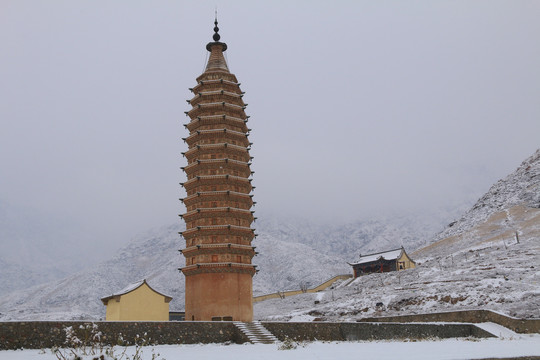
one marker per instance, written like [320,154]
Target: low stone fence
[325,331]
[522,326]
[47,334]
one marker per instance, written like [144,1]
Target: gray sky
[356,106]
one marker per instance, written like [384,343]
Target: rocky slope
[522,187]
[489,259]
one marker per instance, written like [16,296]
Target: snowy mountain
[153,256]
[476,262]
[489,259]
[291,252]
[522,187]
[348,240]
[34,245]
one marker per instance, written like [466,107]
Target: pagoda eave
[243,198]
[202,268]
[230,230]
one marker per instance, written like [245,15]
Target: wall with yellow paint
[321,287]
[140,304]
[406,261]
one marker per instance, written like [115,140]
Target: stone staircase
[256,332]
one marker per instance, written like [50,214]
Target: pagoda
[218,216]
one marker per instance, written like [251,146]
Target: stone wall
[324,331]
[47,334]
[470,316]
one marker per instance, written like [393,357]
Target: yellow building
[137,302]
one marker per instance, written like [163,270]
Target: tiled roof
[130,288]
[386,255]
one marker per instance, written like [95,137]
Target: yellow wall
[408,262]
[321,287]
[138,305]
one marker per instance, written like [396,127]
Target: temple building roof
[385,255]
[130,288]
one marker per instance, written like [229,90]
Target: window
[214,258]
[238,258]
[214,239]
[214,204]
[214,221]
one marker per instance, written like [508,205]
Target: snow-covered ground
[528,345]
[498,274]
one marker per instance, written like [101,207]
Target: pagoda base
[219,296]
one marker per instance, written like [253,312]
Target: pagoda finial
[216,36]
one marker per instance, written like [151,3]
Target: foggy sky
[356,107]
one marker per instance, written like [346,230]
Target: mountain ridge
[309,252]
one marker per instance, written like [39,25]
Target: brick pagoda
[218,218]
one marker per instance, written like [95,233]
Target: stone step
[256,333]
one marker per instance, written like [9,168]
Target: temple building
[137,302]
[393,260]
[218,216]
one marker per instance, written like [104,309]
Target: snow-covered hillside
[291,252]
[152,256]
[500,275]
[38,247]
[522,187]
[477,263]
[489,259]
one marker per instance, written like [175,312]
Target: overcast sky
[356,106]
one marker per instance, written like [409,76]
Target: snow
[430,350]
[388,255]
[499,331]
[522,187]
[498,278]
[480,266]
[129,288]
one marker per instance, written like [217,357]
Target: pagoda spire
[216,60]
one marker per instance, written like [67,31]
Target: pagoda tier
[218,204]
[206,151]
[211,196]
[214,121]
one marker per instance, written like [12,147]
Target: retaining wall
[310,331]
[471,316]
[47,334]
